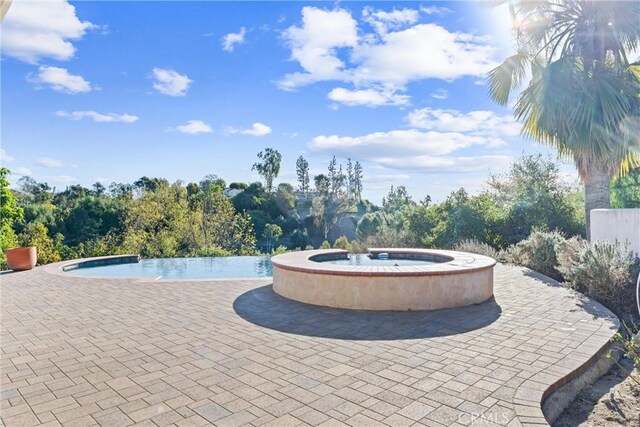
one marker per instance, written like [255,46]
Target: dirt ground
[614,400]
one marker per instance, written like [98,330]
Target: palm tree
[583,93]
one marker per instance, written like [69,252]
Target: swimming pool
[186,268]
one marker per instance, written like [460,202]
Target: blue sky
[112,91]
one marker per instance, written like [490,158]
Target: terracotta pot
[22,258]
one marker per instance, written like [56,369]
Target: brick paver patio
[117,352]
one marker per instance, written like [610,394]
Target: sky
[112,91]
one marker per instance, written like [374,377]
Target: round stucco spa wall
[391,279]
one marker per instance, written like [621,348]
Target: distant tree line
[156,218]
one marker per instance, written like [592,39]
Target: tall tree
[357,181]
[333,200]
[333,175]
[349,176]
[582,92]
[302,170]
[268,167]
[328,207]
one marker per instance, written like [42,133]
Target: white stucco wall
[616,224]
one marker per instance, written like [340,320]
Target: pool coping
[460,263]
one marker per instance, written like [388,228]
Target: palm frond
[507,77]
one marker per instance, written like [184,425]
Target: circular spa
[384,279]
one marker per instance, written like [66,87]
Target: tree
[322,183]
[370,224]
[625,191]
[10,212]
[99,189]
[299,238]
[9,209]
[357,181]
[168,222]
[302,170]
[582,94]
[119,190]
[271,234]
[335,176]
[92,217]
[350,177]
[238,185]
[39,192]
[328,207]
[533,194]
[268,167]
[332,200]
[150,184]
[397,199]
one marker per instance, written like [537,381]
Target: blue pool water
[364,260]
[187,268]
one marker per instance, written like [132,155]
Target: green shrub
[604,271]
[538,252]
[358,247]
[35,234]
[8,240]
[308,248]
[325,245]
[370,224]
[280,250]
[210,251]
[568,252]
[342,243]
[476,247]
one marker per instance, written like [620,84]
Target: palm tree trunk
[596,194]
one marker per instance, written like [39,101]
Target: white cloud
[329,46]
[59,79]
[421,52]
[429,152]
[98,117]
[33,30]
[230,40]
[383,21]
[194,127]
[256,129]
[5,157]
[448,164]
[313,45]
[440,94]
[170,82]
[434,10]
[367,97]
[50,162]
[481,122]
[403,143]
[22,171]
[440,141]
